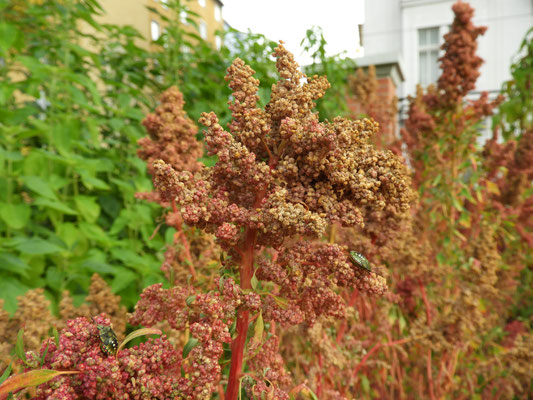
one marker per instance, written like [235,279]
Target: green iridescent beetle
[360,260]
[108,339]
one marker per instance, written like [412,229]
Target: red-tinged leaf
[30,378]
[137,333]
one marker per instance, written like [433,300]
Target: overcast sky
[288,20]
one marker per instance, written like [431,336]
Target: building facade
[412,32]
[137,14]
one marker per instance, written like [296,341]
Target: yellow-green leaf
[258,331]
[493,188]
[137,333]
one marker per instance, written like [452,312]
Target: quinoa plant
[280,179]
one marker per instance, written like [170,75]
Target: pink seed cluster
[207,315]
[308,275]
[148,371]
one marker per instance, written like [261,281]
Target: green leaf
[137,333]
[209,161]
[132,259]
[8,36]
[123,278]
[365,383]
[456,203]
[55,205]
[94,232]
[15,215]
[70,234]
[44,355]
[55,278]
[36,246]
[56,335]
[11,263]
[6,373]
[281,302]
[19,346]
[254,282]
[10,289]
[39,186]
[191,344]
[91,182]
[259,328]
[87,207]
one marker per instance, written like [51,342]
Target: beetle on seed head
[360,260]
[108,338]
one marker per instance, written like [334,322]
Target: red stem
[426,302]
[373,350]
[430,376]
[319,377]
[243,316]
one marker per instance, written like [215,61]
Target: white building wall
[392,25]
[382,28]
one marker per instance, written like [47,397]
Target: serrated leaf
[191,344]
[30,378]
[137,333]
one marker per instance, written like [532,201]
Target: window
[164,3]
[203,29]
[218,42]
[218,12]
[154,30]
[428,54]
[202,3]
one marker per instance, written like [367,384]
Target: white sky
[288,20]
